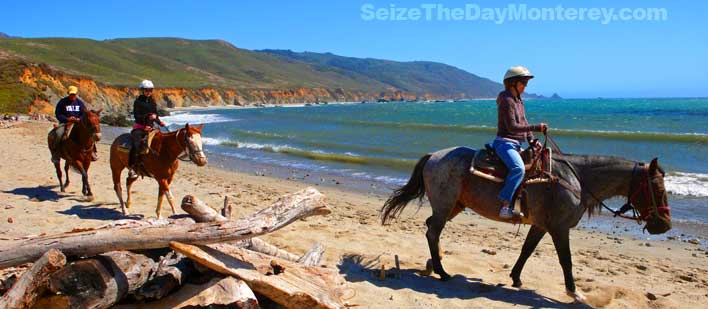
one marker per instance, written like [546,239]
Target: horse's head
[92,122]
[648,195]
[193,143]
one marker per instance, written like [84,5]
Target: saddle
[486,164]
[126,143]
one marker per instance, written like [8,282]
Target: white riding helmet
[146,84]
[518,71]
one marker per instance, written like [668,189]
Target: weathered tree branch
[287,209]
[25,291]
[289,284]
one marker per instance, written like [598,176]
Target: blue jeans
[508,152]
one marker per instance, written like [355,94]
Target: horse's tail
[414,189]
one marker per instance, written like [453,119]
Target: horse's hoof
[428,269]
[89,198]
[444,277]
[578,298]
[517,284]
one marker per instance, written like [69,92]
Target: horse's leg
[163,187]
[436,223]
[84,175]
[57,167]
[129,184]
[116,170]
[170,198]
[85,188]
[532,239]
[562,244]
[66,171]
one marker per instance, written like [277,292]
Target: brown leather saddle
[488,165]
[126,142]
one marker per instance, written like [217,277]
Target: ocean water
[380,142]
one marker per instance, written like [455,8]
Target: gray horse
[583,183]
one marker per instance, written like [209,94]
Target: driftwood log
[289,284]
[201,212]
[312,257]
[219,291]
[171,273]
[24,292]
[99,282]
[287,209]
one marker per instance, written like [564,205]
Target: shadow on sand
[39,193]
[97,212]
[356,268]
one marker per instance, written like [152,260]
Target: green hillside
[174,62]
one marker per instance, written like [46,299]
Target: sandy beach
[612,271]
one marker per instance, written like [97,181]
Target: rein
[644,186]
[92,142]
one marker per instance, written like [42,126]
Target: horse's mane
[592,162]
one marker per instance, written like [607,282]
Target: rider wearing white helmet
[512,130]
[145,114]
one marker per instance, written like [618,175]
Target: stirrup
[506,212]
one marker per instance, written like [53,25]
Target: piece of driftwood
[289,284]
[24,292]
[219,291]
[200,211]
[101,281]
[171,273]
[226,211]
[287,209]
[313,256]
[260,245]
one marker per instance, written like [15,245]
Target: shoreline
[607,267]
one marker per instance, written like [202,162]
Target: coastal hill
[36,72]
[413,77]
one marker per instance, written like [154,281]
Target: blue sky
[574,58]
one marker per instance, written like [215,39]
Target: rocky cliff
[50,85]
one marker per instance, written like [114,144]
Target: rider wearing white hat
[145,114]
[512,130]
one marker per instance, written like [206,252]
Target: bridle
[92,131]
[643,187]
[187,148]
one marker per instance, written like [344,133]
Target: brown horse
[161,163]
[77,150]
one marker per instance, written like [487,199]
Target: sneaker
[506,212]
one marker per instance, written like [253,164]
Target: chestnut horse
[77,150]
[583,182]
[160,164]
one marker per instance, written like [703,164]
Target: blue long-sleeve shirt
[66,108]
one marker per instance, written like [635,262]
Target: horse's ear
[186,126]
[200,127]
[653,165]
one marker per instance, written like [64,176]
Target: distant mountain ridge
[414,76]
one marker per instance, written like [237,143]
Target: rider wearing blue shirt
[69,110]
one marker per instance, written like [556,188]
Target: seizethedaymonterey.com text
[514,12]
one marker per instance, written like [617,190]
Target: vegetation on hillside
[173,62]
